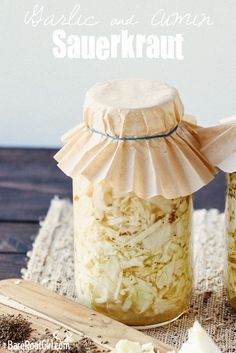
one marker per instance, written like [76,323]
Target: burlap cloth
[51,264]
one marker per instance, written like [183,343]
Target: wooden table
[29,179]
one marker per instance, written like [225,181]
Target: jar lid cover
[132,108]
[219,144]
[135,137]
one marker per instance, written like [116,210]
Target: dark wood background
[29,179]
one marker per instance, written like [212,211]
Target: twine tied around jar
[134,138]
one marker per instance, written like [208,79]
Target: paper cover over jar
[134,137]
[218,144]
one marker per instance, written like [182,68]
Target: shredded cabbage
[132,256]
[231,224]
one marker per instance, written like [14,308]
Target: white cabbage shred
[132,256]
[231,225]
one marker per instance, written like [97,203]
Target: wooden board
[46,309]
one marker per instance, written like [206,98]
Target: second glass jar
[132,257]
[231,239]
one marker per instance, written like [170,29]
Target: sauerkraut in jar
[135,162]
[132,257]
[231,239]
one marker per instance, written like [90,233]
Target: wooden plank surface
[11,264]
[17,237]
[38,302]
[29,179]
[212,195]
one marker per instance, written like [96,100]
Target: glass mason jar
[231,239]
[132,219]
[132,257]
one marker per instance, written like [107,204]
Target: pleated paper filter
[136,138]
[219,144]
